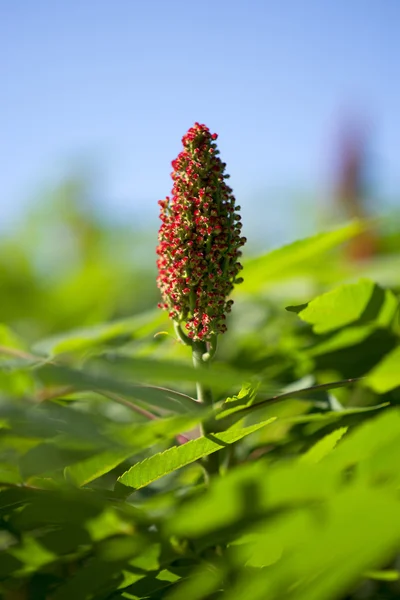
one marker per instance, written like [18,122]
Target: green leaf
[243,399]
[386,375]
[65,539]
[364,302]
[136,439]
[373,446]
[47,458]
[170,460]
[201,583]
[113,333]
[155,585]
[383,575]
[51,419]
[332,554]
[256,488]
[219,376]
[32,553]
[103,379]
[56,508]
[9,473]
[336,415]
[91,578]
[323,447]
[307,393]
[344,338]
[8,564]
[246,492]
[14,497]
[14,380]
[290,259]
[92,468]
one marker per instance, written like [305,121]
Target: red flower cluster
[200,237]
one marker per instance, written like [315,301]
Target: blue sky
[115,85]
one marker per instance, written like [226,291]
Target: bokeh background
[96,95]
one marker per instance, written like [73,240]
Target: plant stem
[204,395]
[182,336]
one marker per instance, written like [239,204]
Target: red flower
[199,238]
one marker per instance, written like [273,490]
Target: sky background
[111,87]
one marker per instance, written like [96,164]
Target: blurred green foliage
[63,266]
[103,492]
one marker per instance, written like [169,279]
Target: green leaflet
[93,577]
[331,554]
[121,374]
[323,447]
[136,439]
[220,377]
[383,575]
[386,375]
[364,302]
[174,458]
[99,380]
[103,334]
[289,260]
[15,379]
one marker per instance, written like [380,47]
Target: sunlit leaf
[176,457]
[291,259]
[135,439]
[323,446]
[364,302]
[386,375]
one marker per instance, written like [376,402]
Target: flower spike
[199,239]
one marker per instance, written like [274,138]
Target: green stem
[204,394]
[212,348]
[181,335]
[201,360]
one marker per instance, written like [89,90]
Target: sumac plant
[139,461]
